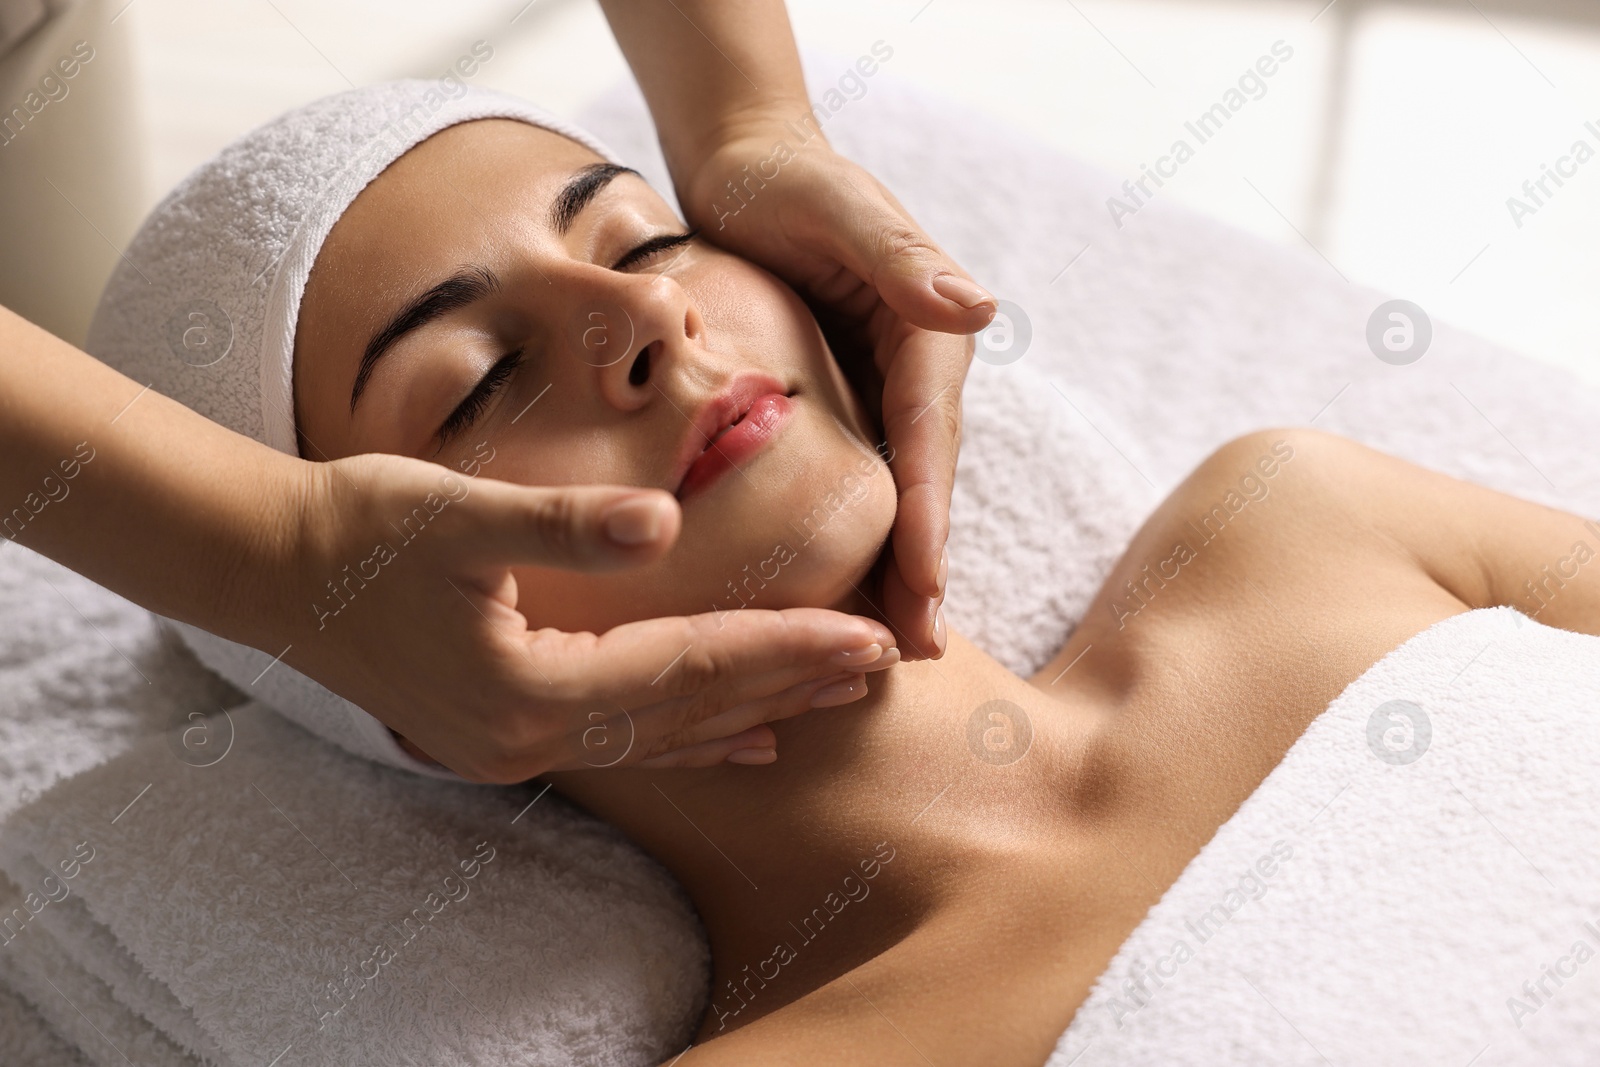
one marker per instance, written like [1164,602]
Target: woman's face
[502,302]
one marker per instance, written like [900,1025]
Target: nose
[635,331]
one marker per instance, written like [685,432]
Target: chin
[813,575]
[824,553]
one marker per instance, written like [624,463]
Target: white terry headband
[204,303]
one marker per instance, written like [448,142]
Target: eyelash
[654,246]
[469,409]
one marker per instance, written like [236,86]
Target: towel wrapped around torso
[1414,883]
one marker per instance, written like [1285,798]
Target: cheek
[557,449]
[575,602]
[838,521]
[800,528]
[750,312]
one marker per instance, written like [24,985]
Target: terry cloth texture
[1163,340]
[1414,883]
[263,895]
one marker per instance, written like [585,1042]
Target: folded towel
[280,894]
[1414,883]
[28,1038]
[1160,342]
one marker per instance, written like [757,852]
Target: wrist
[263,567]
[764,134]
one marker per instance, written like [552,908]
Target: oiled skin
[1009,887]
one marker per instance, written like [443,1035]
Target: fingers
[576,527]
[879,241]
[754,746]
[651,687]
[832,690]
[645,662]
[655,737]
[918,620]
[742,734]
[922,422]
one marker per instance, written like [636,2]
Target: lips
[730,429]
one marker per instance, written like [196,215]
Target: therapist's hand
[433,645]
[204,525]
[831,230]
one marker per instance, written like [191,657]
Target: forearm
[710,69]
[131,488]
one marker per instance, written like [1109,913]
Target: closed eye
[654,247]
[469,409]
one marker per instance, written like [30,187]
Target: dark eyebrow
[471,284]
[583,187]
[465,286]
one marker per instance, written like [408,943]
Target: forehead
[464,185]
[464,195]
[469,194]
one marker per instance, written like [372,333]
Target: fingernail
[836,693]
[753,756]
[890,657]
[944,569]
[939,636]
[635,521]
[960,291]
[852,657]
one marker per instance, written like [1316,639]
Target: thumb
[914,277]
[582,527]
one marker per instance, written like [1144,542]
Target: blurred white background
[1389,144]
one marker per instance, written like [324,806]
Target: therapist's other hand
[830,229]
[433,645]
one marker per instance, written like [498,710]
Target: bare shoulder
[1264,584]
[1278,533]
[1290,560]
[1478,546]
[1316,469]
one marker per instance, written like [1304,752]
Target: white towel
[283,898]
[1414,883]
[1166,338]
[28,1039]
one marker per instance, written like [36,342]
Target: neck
[874,814]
